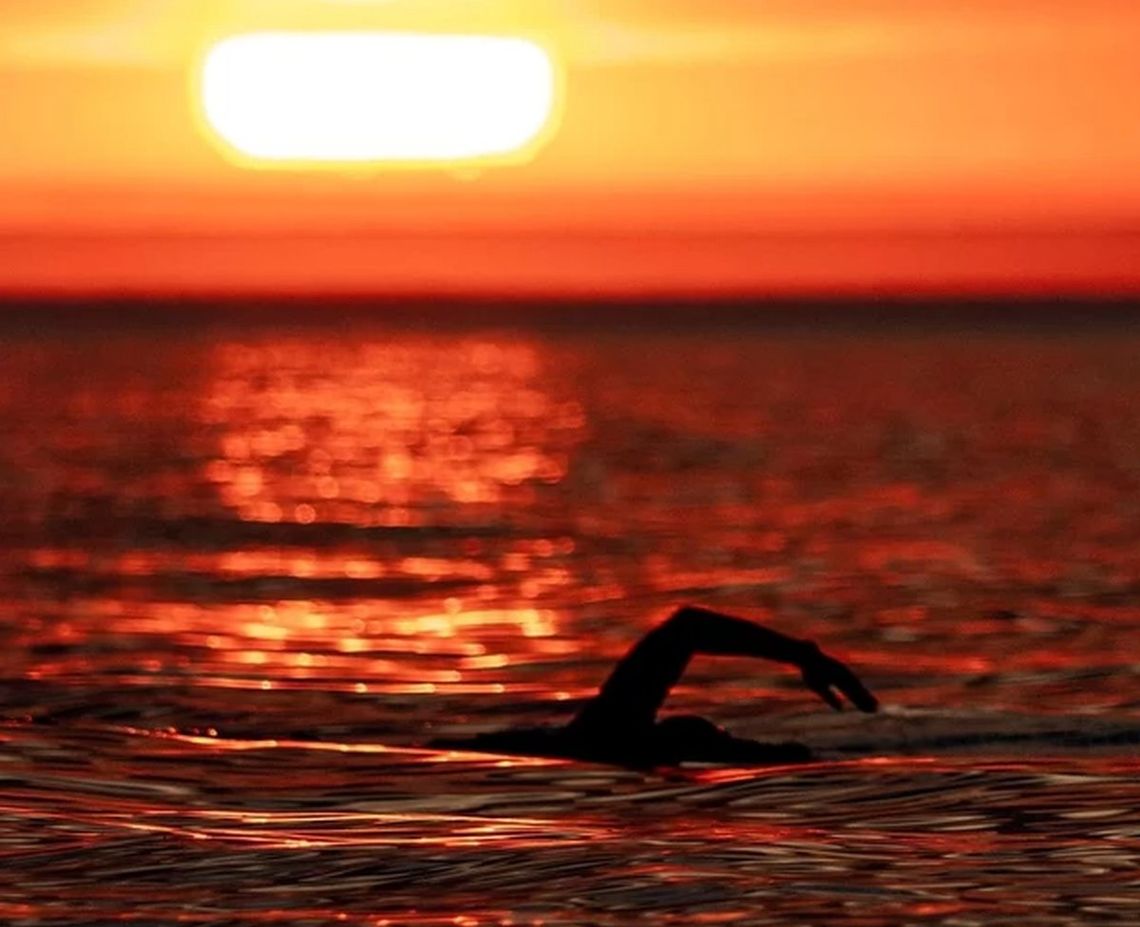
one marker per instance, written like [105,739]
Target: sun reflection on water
[385,436]
[384,489]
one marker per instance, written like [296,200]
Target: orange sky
[721,146]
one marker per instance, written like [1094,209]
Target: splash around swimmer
[619,725]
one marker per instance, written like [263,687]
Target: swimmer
[619,725]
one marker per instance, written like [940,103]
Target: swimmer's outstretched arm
[637,687]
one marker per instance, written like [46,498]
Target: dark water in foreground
[245,573]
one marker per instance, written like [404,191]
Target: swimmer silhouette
[619,725]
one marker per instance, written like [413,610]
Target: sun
[336,98]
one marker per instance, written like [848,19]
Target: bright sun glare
[357,97]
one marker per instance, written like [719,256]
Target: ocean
[250,571]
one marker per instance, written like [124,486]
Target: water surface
[247,572]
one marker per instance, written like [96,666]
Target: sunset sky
[700,146]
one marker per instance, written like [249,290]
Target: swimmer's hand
[828,677]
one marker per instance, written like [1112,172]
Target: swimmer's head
[690,738]
[691,729]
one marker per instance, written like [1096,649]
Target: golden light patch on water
[385,434]
[369,645]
